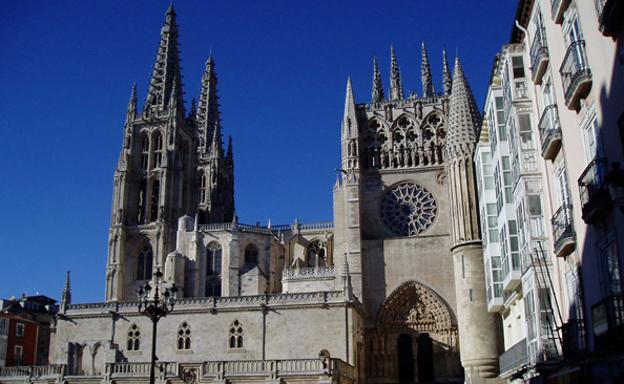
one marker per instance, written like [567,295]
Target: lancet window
[184,336]
[203,187]
[142,202]
[134,338]
[145,153]
[158,149]
[155,197]
[236,335]
[213,269]
[144,262]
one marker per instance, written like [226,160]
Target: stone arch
[415,312]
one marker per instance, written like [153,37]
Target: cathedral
[391,291]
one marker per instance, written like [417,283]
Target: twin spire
[396,87]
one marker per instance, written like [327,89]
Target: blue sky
[65,77]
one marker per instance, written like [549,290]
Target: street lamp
[155,307]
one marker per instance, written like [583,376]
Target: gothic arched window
[184,336]
[142,202]
[203,187]
[158,149]
[251,254]
[236,335]
[134,338]
[213,269]
[145,152]
[155,199]
[145,262]
[316,254]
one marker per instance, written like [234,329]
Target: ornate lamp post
[156,306]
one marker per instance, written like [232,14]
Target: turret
[477,327]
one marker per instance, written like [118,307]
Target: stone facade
[392,291]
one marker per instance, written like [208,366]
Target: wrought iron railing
[608,314]
[515,357]
[573,341]
[562,225]
[539,50]
[549,125]
[574,68]
[593,188]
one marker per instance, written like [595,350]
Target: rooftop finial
[396,89]
[447,80]
[427,82]
[378,92]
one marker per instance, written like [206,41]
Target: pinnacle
[349,110]
[463,111]
[170,10]
[427,82]
[378,92]
[447,81]
[396,89]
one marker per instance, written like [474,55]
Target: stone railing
[278,368]
[308,272]
[215,227]
[33,371]
[141,369]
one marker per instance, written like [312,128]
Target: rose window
[408,209]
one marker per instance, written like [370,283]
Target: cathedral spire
[66,296]
[229,157]
[207,116]
[425,73]
[132,105]
[396,89]
[378,92]
[349,119]
[463,113]
[166,70]
[447,81]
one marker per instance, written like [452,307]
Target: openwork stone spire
[447,81]
[66,296]
[425,73]
[463,114]
[166,68]
[208,109]
[378,92]
[396,89]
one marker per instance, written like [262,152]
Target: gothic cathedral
[391,291]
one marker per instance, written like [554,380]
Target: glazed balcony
[539,56]
[608,323]
[610,15]
[573,342]
[563,231]
[595,197]
[575,74]
[550,132]
[514,358]
[557,8]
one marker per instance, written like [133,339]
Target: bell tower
[154,175]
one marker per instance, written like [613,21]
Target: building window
[154,200]
[213,269]
[251,254]
[236,335]
[590,128]
[145,152]
[145,262]
[488,173]
[158,149]
[316,254]
[518,67]
[492,223]
[3,346]
[184,336]
[203,188]
[142,202]
[526,134]
[507,179]
[19,330]
[18,354]
[134,338]
[3,326]
[611,279]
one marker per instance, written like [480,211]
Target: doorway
[425,358]
[406,358]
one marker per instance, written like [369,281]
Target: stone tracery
[408,209]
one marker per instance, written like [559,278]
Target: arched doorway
[415,339]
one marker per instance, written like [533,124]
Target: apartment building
[552,195]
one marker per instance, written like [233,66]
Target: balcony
[514,358]
[608,323]
[563,231]
[520,90]
[539,56]
[610,15]
[550,132]
[595,197]
[573,343]
[575,74]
